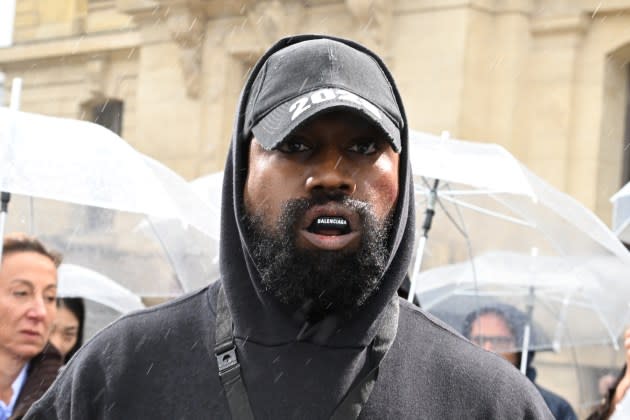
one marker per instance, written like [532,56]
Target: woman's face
[65,331]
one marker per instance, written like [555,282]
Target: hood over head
[296,79]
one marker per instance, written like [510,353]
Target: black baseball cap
[314,76]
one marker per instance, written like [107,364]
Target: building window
[109,115]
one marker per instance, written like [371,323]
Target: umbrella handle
[5,197]
[426,226]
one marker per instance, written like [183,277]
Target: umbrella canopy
[83,190]
[561,291]
[208,188]
[505,234]
[77,281]
[621,213]
[104,299]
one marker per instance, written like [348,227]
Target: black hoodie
[160,363]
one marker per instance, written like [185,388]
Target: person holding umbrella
[499,329]
[67,332]
[28,285]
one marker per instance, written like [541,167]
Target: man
[317,233]
[499,328]
[28,291]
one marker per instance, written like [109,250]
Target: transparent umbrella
[83,190]
[502,235]
[621,213]
[104,299]
[487,203]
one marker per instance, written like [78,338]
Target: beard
[319,282]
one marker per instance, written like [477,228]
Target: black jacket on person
[160,363]
[559,407]
[42,371]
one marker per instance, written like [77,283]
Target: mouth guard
[330,223]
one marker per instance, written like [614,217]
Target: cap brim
[272,129]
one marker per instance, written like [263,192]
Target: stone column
[168,87]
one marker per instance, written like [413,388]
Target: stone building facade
[547,79]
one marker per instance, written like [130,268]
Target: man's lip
[31,333]
[329,242]
[331,209]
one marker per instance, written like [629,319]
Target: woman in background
[619,389]
[67,333]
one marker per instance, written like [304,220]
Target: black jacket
[42,371]
[160,363]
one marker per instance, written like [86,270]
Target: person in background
[618,391]
[499,328]
[67,332]
[28,293]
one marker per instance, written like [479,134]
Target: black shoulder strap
[352,404]
[229,368]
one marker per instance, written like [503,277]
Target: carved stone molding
[187,25]
[374,18]
[274,19]
[186,22]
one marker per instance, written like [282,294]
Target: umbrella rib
[489,212]
[168,255]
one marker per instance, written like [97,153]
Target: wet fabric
[160,363]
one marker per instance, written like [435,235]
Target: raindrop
[192,24]
[150,367]
[278,377]
[275,360]
[596,10]
[131,52]
[75,48]
[338,162]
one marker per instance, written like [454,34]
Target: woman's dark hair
[77,307]
[602,412]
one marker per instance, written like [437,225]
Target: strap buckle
[227,359]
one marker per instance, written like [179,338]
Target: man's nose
[331,172]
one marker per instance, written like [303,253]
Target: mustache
[293,209]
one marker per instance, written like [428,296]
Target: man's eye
[365,147]
[293,146]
